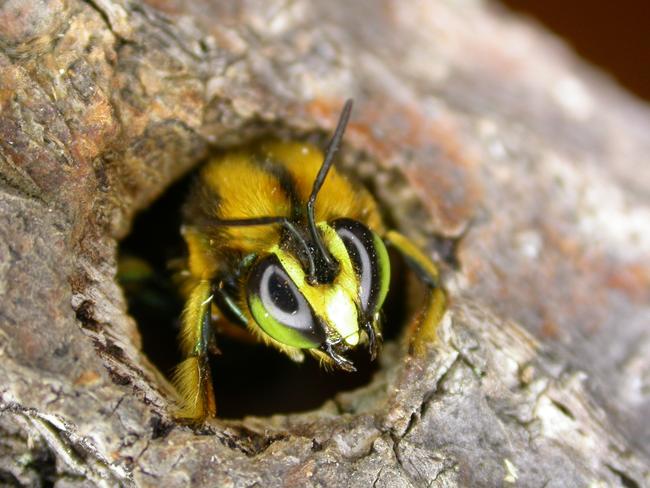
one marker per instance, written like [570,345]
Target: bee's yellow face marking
[342,315]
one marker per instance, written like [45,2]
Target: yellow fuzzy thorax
[240,185]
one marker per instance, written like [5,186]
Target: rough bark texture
[475,128]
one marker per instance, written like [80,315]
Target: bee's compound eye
[370,261]
[279,308]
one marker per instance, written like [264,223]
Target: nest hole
[249,379]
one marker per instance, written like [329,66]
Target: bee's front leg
[224,298]
[422,328]
[192,377]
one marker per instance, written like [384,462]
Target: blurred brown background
[612,35]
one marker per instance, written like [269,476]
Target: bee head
[329,316]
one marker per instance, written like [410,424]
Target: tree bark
[522,170]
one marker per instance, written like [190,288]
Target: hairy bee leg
[192,377]
[423,327]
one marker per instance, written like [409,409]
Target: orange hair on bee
[194,385]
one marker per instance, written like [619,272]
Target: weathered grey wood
[473,126]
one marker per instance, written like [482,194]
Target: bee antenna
[251,222]
[332,147]
[292,228]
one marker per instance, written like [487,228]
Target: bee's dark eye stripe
[285,179]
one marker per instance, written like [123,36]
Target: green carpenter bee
[284,248]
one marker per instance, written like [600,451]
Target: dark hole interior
[248,379]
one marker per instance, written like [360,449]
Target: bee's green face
[306,316]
